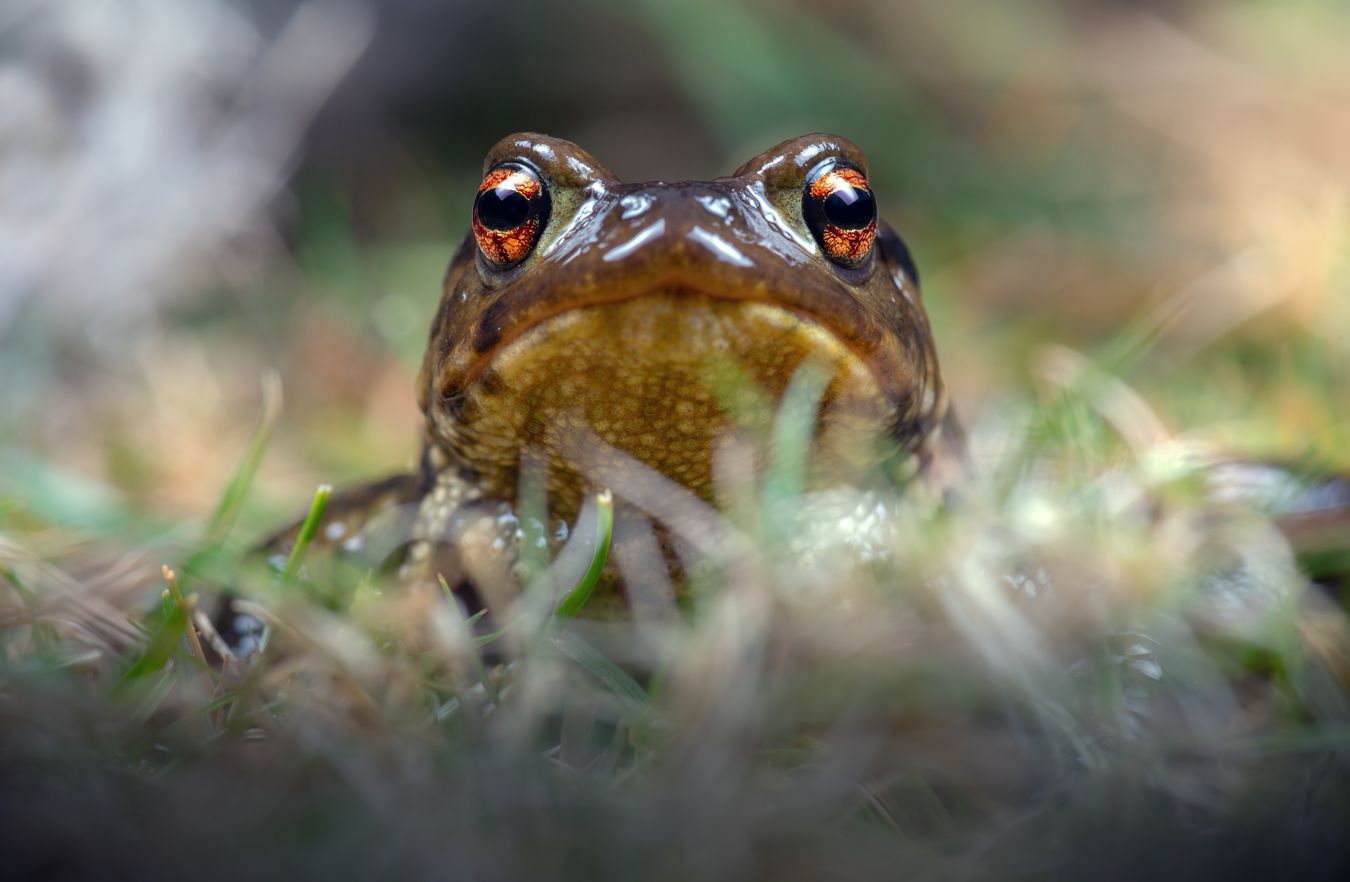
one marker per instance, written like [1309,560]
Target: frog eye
[841,212]
[509,213]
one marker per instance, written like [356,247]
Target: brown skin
[602,358]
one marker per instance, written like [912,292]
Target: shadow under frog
[597,334]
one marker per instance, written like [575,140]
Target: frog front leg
[362,527]
[466,540]
[426,528]
[365,521]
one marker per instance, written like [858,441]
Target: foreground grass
[1091,665]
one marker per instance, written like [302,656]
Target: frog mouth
[519,313]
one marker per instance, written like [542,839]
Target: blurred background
[195,193]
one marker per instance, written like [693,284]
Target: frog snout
[683,223]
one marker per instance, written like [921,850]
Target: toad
[594,334]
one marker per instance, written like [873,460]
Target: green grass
[1079,663]
[573,601]
[1085,667]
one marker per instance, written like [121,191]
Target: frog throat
[661,381]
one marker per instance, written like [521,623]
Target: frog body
[594,334]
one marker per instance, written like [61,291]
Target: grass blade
[474,658]
[629,692]
[161,645]
[794,429]
[604,531]
[236,491]
[308,530]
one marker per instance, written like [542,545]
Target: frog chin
[665,380]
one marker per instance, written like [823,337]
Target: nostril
[635,205]
[719,206]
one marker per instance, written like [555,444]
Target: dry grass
[1132,225]
[1088,660]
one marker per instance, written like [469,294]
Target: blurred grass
[1159,187]
[1060,171]
[1084,653]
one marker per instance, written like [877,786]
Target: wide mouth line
[615,297]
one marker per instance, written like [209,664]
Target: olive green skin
[611,247]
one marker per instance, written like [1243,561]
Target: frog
[583,342]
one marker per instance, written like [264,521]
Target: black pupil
[502,208]
[850,208]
